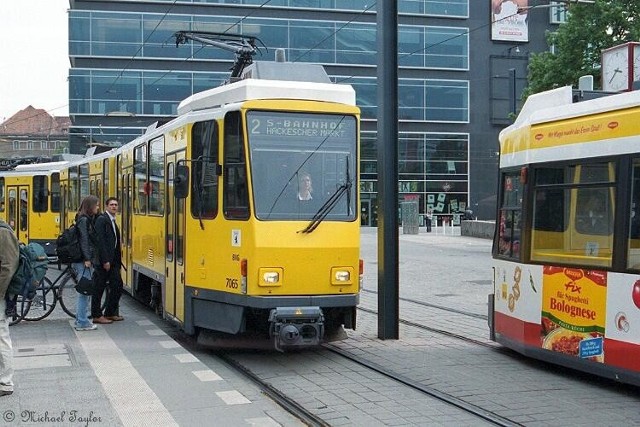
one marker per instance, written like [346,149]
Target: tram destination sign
[296,125]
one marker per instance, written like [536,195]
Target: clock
[615,68]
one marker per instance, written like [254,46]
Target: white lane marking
[186,358]
[262,422]
[130,396]
[144,322]
[169,344]
[232,397]
[207,375]
[156,332]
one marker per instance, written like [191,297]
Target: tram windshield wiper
[324,210]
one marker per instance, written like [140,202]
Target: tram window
[1,194]
[204,182]
[155,185]
[593,215]
[633,260]
[55,192]
[509,224]
[548,210]
[24,210]
[40,193]
[140,188]
[74,190]
[573,214]
[13,208]
[105,179]
[236,198]
[84,182]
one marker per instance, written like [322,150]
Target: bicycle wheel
[43,302]
[67,295]
[16,313]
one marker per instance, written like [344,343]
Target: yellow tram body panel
[305,264]
[30,203]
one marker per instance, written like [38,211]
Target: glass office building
[126,73]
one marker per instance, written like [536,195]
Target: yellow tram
[30,202]
[216,233]
[567,244]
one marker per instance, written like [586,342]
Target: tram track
[449,334]
[436,306]
[286,402]
[470,408]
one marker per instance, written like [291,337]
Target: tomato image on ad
[573,312]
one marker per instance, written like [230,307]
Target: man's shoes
[86,328]
[102,320]
[6,392]
[114,318]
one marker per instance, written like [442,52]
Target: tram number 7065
[232,283]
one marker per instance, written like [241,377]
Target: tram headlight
[341,276]
[270,276]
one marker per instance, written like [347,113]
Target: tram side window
[204,183]
[140,170]
[1,194]
[55,192]
[236,198]
[40,193]
[509,224]
[13,208]
[104,189]
[24,210]
[633,260]
[155,185]
[573,214]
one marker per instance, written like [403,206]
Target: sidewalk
[125,373]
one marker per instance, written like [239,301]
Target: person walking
[108,266]
[87,237]
[9,256]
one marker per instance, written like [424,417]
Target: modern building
[456,90]
[32,135]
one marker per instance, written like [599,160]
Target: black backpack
[68,246]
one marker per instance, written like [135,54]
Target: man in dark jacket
[9,256]
[109,261]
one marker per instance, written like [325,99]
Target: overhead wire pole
[387,143]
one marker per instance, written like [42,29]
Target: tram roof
[251,89]
[48,166]
[558,104]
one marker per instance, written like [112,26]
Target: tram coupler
[296,327]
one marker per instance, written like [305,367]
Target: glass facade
[125,62]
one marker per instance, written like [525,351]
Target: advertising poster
[574,311]
[507,23]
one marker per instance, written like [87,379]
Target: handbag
[85,285]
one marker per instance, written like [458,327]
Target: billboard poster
[574,311]
[506,23]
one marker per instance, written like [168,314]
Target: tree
[579,42]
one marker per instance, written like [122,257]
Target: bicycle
[47,295]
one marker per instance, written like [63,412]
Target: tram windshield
[303,165]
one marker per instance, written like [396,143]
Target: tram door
[174,243]
[18,211]
[125,228]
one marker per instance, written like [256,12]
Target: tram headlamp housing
[341,276]
[270,276]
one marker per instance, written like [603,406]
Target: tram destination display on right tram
[566,249]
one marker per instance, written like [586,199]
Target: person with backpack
[108,266]
[9,257]
[87,237]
